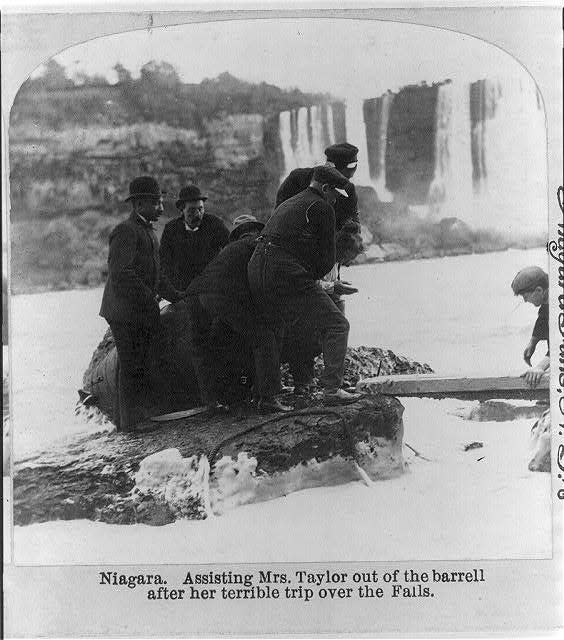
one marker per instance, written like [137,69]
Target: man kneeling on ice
[531,283]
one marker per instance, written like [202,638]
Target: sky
[345,57]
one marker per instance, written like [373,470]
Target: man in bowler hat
[296,249]
[192,240]
[343,157]
[130,300]
[221,293]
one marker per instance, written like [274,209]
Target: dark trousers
[135,343]
[300,348]
[282,289]
[243,319]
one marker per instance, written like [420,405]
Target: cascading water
[450,192]
[509,151]
[285,131]
[357,135]
[488,159]
[380,179]
[305,133]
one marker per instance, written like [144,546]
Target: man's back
[304,225]
[299,179]
[226,274]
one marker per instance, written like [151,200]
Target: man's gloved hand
[342,288]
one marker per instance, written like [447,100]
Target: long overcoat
[134,279]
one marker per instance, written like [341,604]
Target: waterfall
[380,179]
[356,134]
[317,138]
[490,156]
[509,154]
[305,133]
[285,132]
[376,113]
[330,126]
[450,191]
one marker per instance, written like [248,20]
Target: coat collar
[141,221]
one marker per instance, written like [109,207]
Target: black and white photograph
[276,293]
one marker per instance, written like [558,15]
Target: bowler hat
[342,154]
[144,187]
[332,177]
[189,194]
[244,224]
[528,279]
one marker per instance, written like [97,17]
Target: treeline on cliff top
[157,95]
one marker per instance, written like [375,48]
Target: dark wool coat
[134,275]
[304,226]
[184,254]
[226,274]
[299,179]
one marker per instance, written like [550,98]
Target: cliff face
[74,150]
[68,186]
[76,169]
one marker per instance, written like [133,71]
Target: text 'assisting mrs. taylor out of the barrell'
[298,585]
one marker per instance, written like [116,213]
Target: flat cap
[342,154]
[329,175]
[245,223]
[529,278]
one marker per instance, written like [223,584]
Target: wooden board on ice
[436,386]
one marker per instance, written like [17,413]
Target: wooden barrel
[172,373]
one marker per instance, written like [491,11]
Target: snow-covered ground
[482,503]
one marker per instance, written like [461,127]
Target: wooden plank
[435,386]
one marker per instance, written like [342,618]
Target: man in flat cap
[130,303]
[531,283]
[296,249]
[192,240]
[343,157]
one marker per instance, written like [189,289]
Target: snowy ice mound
[180,483]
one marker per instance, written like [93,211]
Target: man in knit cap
[343,157]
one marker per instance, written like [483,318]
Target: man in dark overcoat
[343,157]
[192,240]
[130,300]
[221,293]
[296,249]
